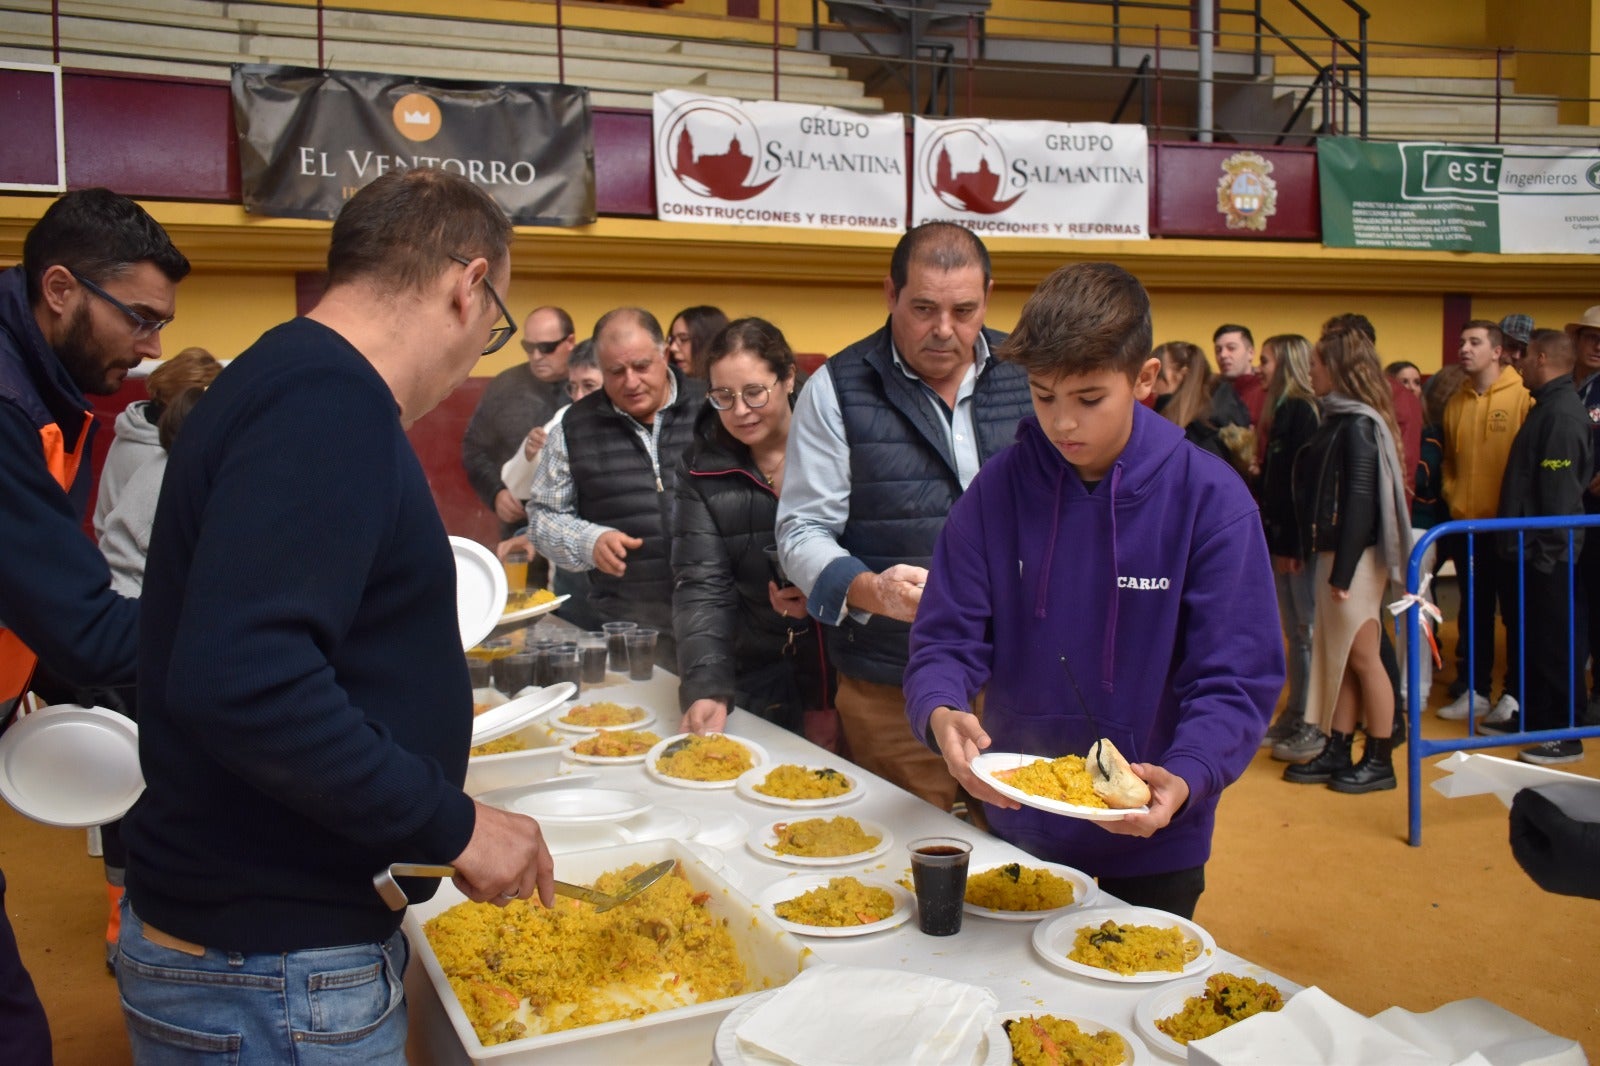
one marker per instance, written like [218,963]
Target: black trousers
[1176,892]
[24,1030]
[1555,689]
[1589,603]
[1494,588]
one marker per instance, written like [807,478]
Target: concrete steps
[1450,109]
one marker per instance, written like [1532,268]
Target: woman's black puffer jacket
[1294,423]
[1336,492]
[732,645]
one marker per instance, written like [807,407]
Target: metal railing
[1097,57]
[1416,701]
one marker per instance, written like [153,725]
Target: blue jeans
[337,1005]
[1297,599]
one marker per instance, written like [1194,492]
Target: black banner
[309,139]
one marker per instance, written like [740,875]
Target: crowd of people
[946,540]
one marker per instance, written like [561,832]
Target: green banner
[1510,198]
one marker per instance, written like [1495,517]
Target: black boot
[1335,757]
[1374,773]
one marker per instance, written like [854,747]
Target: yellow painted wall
[1557,26]
[225,311]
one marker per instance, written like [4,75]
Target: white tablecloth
[995,954]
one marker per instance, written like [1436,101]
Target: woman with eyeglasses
[743,633]
[690,337]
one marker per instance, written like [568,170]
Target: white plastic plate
[648,720]
[570,751]
[1084,891]
[480,590]
[993,1050]
[747,782]
[986,765]
[1167,1000]
[790,887]
[579,805]
[71,766]
[538,610]
[1053,940]
[513,715]
[765,838]
[758,755]
[1136,1053]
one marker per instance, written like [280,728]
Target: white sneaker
[1456,710]
[1504,710]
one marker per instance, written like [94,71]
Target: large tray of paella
[521,984]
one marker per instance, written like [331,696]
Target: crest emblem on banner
[714,150]
[966,166]
[1246,193]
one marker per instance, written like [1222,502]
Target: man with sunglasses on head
[97,283]
[304,706]
[516,401]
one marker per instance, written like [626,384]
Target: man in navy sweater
[305,711]
[97,283]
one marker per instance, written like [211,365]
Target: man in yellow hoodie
[1480,422]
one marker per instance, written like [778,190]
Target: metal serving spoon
[1096,747]
[395,896]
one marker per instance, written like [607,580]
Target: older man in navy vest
[886,436]
[602,492]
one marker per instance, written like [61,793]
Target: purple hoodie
[1156,587]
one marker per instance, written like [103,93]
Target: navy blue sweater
[304,705]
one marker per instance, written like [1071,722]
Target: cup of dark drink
[939,872]
[515,672]
[592,654]
[617,644]
[641,653]
[540,650]
[564,665]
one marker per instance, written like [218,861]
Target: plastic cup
[515,672]
[592,654]
[617,644]
[641,653]
[479,673]
[939,871]
[563,659]
[541,661]
[516,566]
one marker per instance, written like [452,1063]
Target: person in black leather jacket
[743,633]
[1350,502]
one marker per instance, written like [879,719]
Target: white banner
[1067,180]
[1549,200]
[761,163]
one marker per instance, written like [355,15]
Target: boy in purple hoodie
[1104,538]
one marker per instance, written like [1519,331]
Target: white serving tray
[771,956]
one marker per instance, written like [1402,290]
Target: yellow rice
[523,970]
[843,901]
[604,714]
[793,782]
[1228,998]
[821,838]
[1014,887]
[1065,779]
[617,743]
[501,746]
[1131,949]
[1045,1040]
[713,757]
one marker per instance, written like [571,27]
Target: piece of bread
[1122,788]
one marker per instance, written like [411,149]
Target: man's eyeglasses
[578,390]
[500,334]
[543,347]
[755,397]
[142,327]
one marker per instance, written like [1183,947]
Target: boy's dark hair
[97,234]
[1496,338]
[1352,320]
[1082,318]
[583,355]
[1233,327]
[942,245]
[758,337]
[400,231]
[1400,364]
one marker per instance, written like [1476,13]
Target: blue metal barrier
[1416,701]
